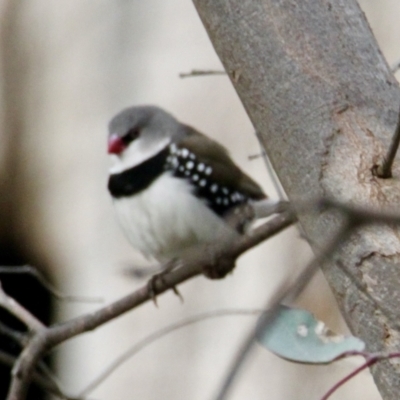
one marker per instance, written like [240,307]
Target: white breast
[166,218]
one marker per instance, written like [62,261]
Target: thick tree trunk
[315,85]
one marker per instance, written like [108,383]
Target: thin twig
[192,266]
[24,367]
[200,72]
[356,217]
[370,360]
[38,379]
[158,335]
[16,336]
[22,339]
[14,308]
[384,170]
[283,296]
[252,157]
[30,270]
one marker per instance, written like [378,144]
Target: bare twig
[371,359]
[252,157]
[200,72]
[384,170]
[45,374]
[24,367]
[190,268]
[355,217]
[286,295]
[199,260]
[43,381]
[16,336]
[14,308]
[30,270]
[158,335]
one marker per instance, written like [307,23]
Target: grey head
[147,123]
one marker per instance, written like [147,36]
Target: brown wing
[224,171]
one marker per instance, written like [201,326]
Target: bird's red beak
[115,144]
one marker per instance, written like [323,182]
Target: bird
[172,187]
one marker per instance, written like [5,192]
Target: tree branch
[200,258]
[14,308]
[324,103]
[285,295]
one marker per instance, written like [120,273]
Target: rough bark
[316,86]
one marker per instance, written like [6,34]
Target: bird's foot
[160,279]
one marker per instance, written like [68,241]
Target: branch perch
[200,258]
[324,102]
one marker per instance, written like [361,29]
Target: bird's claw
[152,283]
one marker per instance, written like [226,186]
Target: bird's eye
[131,135]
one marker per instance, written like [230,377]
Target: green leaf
[296,335]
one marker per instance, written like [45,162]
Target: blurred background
[67,67]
